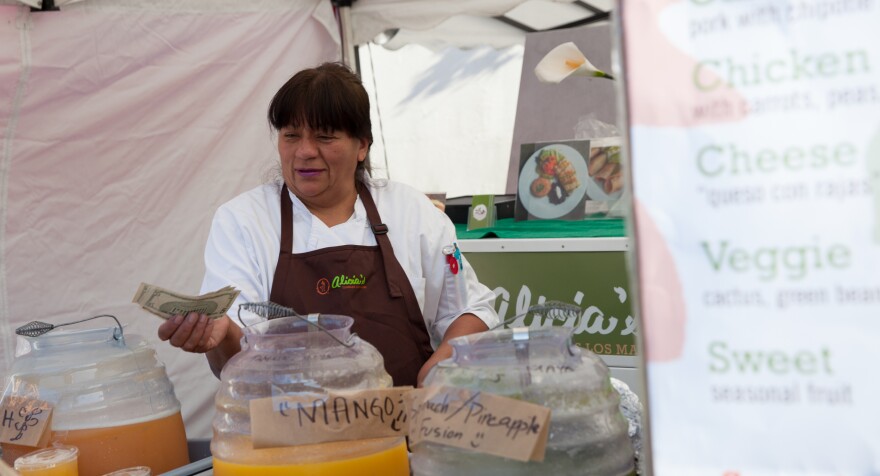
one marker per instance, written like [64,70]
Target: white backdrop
[447,116]
[756,217]
[123,128]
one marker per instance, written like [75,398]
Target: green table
[508,228]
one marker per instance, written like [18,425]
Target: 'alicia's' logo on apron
[323,286]
[341,281]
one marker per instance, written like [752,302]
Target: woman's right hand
[195,332]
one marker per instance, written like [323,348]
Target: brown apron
[364,282]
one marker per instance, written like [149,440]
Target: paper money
[166,304]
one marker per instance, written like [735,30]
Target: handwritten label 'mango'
[336,416]
[480,422]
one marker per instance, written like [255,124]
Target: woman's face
[319,166]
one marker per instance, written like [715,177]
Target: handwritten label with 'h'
[479,422]
[24,421]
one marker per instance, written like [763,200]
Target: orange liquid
[159,444]
[56,461]
[68,468]
[390,462]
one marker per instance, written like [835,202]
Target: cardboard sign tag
[479,422]
[293,420]
[24,421]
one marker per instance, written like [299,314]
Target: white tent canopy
[464,22]
[444,23]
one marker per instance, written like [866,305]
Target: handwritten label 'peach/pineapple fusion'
[479,422]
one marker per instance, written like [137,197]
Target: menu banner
[754,132]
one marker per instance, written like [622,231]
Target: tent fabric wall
[123,128]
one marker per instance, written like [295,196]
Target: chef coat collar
[359,215]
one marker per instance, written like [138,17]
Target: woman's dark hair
[327,98]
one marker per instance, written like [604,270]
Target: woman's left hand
[442,353]
[465,324]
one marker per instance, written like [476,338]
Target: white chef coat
[244,243]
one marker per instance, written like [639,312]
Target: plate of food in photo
[552,181]
[605,182]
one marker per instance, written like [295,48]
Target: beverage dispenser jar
[296,356]
[587,434]
[111,397]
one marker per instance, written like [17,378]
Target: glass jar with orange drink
[293,356]
[111,398]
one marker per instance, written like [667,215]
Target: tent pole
[348,53]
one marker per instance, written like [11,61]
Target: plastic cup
[133,471]
[55,461]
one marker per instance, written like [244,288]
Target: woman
[329,239]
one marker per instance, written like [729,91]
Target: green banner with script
[595,281]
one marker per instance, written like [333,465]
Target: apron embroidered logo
[323,286]
[343,281]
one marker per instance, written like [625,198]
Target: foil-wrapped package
[631,408]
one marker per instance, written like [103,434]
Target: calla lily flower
[566,60]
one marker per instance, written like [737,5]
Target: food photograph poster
[754,133]
[569,180]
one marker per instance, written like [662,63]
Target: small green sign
[481,214]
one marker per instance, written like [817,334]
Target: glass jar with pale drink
[587,434]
